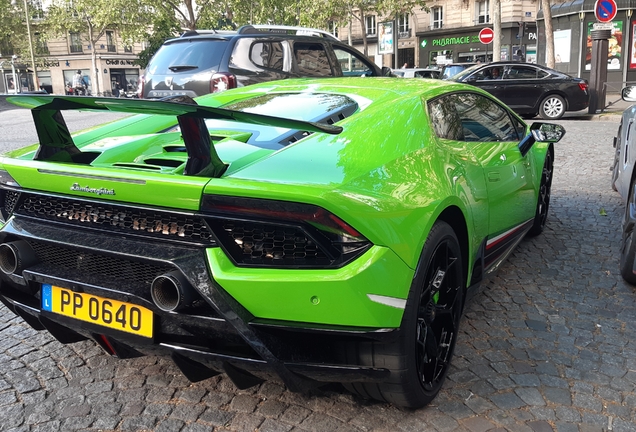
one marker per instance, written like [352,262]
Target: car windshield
[464,73]
[187,55]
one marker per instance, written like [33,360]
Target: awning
[575,6]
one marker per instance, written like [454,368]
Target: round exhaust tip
[16,256]
[8,258]
[171,292]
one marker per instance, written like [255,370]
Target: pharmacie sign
[460,40]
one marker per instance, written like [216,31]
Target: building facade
[59,59]
[572,24]
[449,33]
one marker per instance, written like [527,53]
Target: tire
[419,359]
[628,242]
[552,107]
[617,157]
[543,200]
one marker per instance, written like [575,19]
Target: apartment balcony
[111,48]
[76,49]
[405,34]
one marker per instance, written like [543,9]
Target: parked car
[624,181]
[208,61]
[449,70]
[529,89]
[295,228]
[417,73]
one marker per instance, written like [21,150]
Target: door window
[312,60]
[471,117]
[352,64]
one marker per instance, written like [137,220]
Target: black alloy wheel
[419,359]
[543,200]
[628,245]
[438,315]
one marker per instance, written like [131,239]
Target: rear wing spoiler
[56,142]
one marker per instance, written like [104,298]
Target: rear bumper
[218,335]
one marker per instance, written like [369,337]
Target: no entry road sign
[486,35]
[605,10]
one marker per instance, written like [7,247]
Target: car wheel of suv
[543,201]
[420,358]
[617,156]
[628,243]
[552,107]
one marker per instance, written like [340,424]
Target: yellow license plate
[105,312]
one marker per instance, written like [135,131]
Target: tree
[91,19]
[496,21]
[164,26]
[549,33]
[13,37]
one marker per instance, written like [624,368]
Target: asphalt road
[550,344]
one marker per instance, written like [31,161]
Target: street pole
[36,82]
[15,80]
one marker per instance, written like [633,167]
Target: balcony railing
[111,48]
[404,34]
[76,49]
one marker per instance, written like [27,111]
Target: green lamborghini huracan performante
[311,231]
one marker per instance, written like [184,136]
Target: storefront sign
[461,40]
[120,62]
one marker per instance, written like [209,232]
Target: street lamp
[36,82]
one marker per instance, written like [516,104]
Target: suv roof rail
[283,29]
[204,32]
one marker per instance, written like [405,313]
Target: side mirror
[541,132]
[629,94]
[547,132]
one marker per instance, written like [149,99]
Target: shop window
[369,23]
[437,17]
[483,11]
[440,58]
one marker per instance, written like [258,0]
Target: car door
[490,79]
[485,136]
[495,135]
[524,86]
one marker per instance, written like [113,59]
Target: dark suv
[201,62]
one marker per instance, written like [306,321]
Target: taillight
[267,233]
[221,82]
[583,86]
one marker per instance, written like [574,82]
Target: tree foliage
[13,37]
[91,19]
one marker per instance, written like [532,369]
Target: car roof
[260,30]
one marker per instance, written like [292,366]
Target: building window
[40,44]
[404,30]
[76,43]
[437,17]
[369,23]
[483,11]
[36,9]
[110,41]
[128,49]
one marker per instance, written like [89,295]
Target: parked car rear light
[221,82]
[268,233]
[583,86]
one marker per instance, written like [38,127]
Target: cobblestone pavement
[550,345]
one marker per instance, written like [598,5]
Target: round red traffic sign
[605,10]
[486,35]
